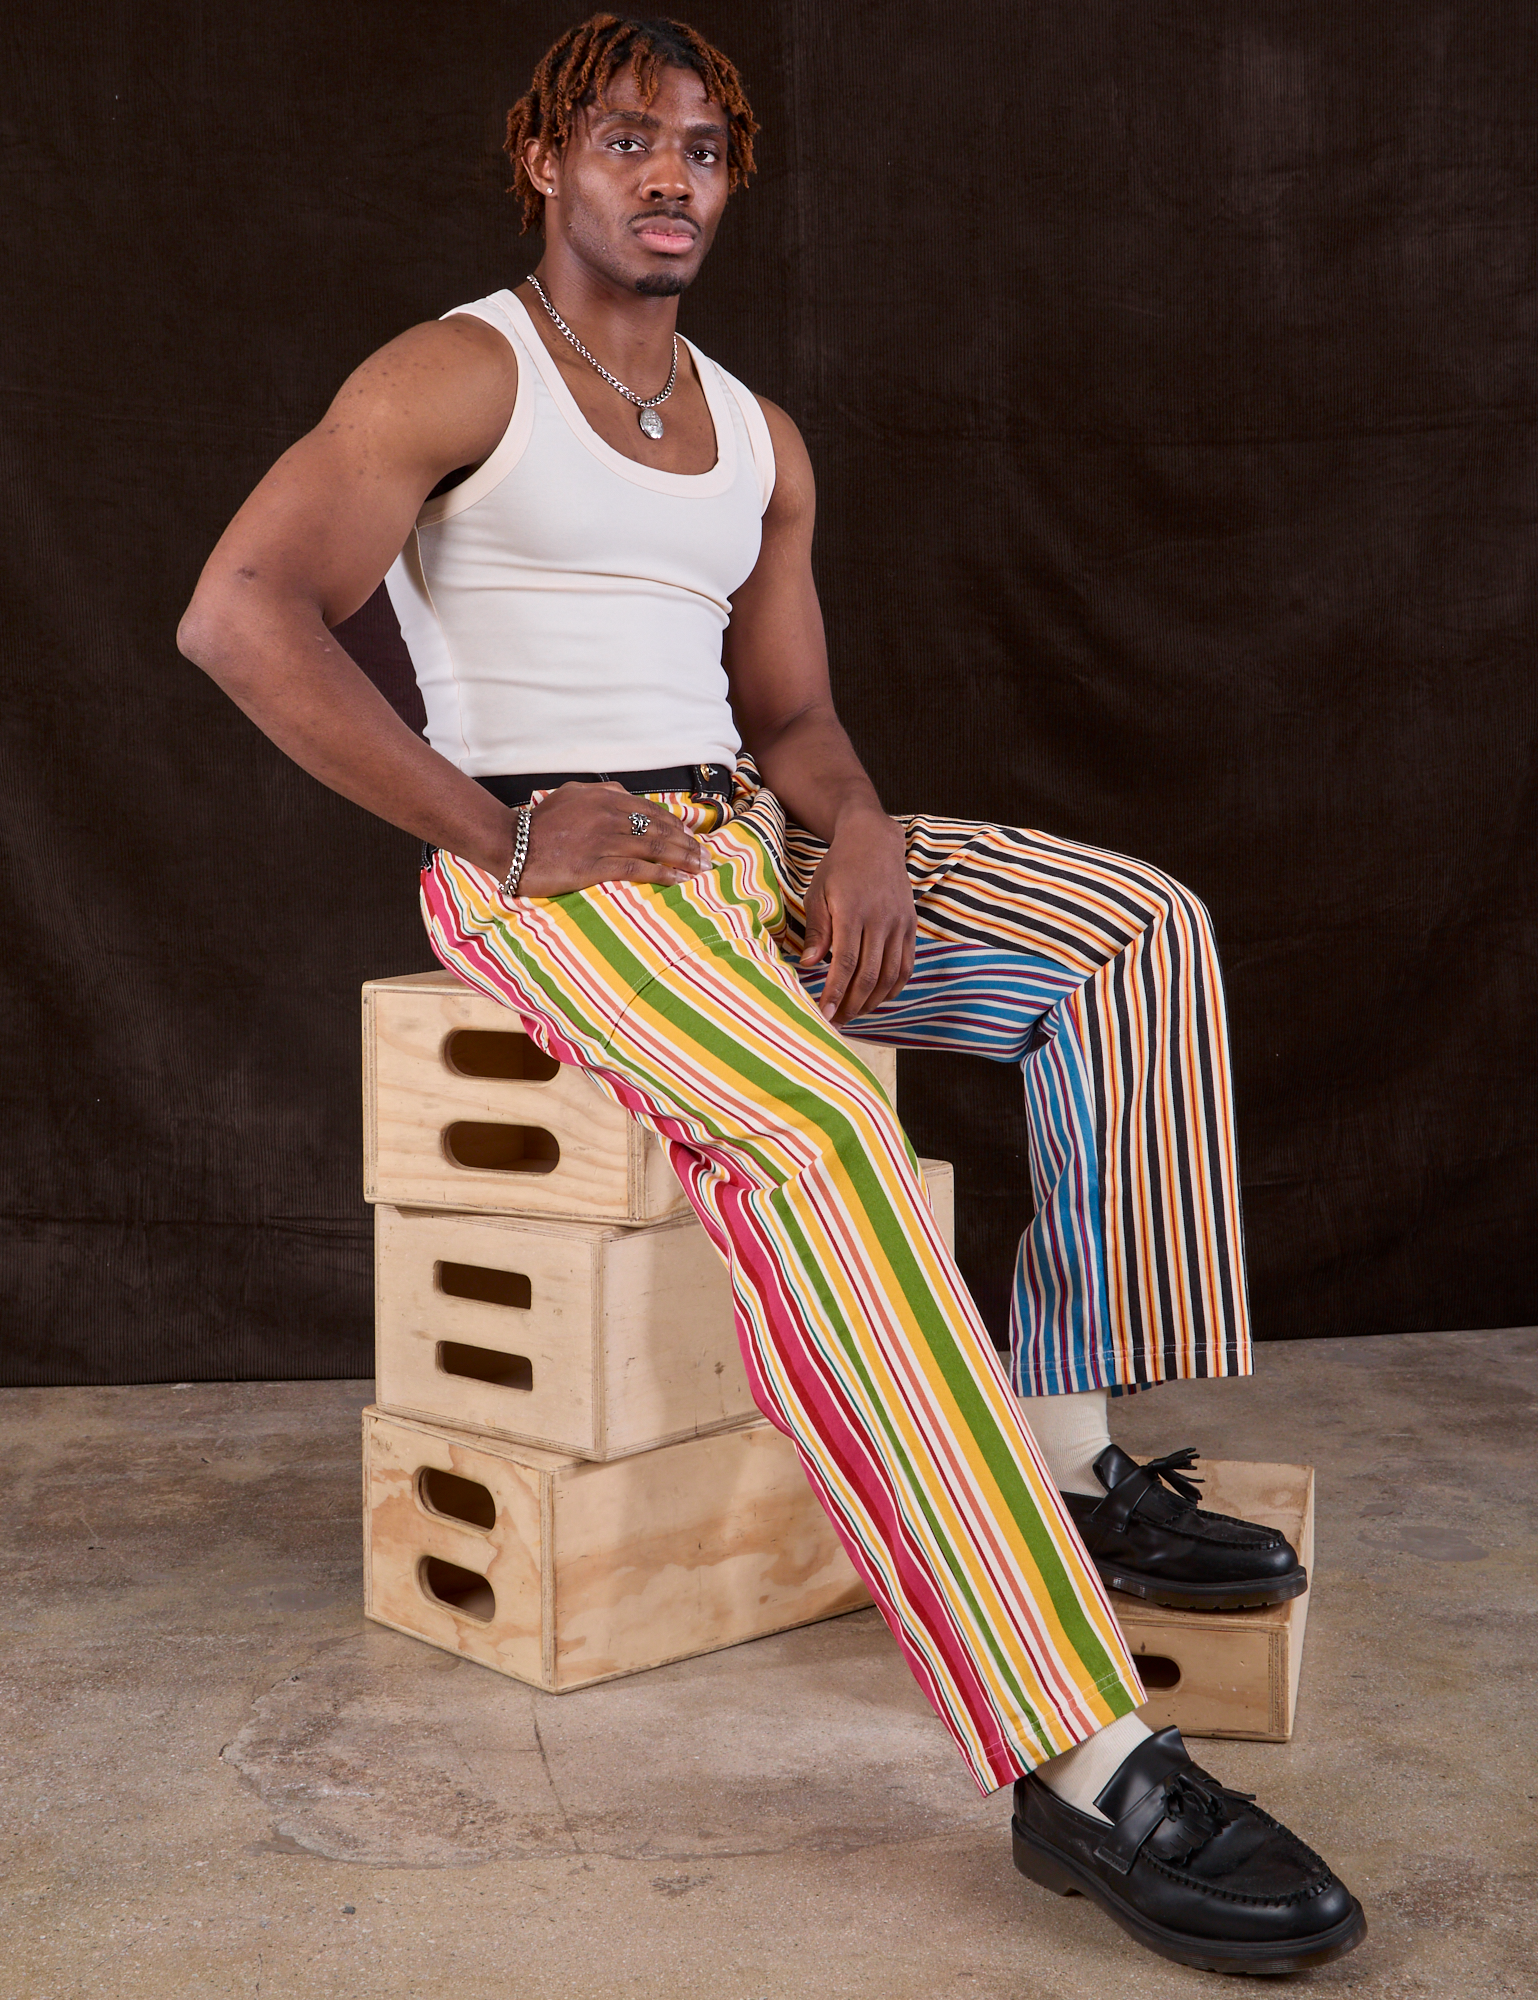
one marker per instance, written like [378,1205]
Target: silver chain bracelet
[509,883]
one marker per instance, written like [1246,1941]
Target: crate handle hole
[461,1590]
[480,1281]
[493,1052]
[1156,1671]
[486,1364]
[502,1149]
[461,1499]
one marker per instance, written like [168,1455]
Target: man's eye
[706,155]
[617,143]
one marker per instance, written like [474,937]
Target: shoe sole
[1203,1596]
[1064,1877]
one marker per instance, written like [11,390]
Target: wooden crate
[561,1572]
[609,1341]
[1230,1673]
[579,1337]
[940,1187]
[461,1111]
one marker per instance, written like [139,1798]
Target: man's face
[642,186]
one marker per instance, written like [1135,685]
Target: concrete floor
[220,1781]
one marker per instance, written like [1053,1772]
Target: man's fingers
[876,973]
[866,978]
[665,836]
[843,967]
[905,948]
[819,929]
[641,868]
[843,955]
[665,845]
[895,965]
[629,802]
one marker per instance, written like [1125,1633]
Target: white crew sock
[1081,1774]
[1071,1431]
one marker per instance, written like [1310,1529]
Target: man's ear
[543,165]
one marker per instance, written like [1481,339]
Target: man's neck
[629,331]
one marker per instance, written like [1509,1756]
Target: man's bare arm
[860,909]
[777,658]
[312,544]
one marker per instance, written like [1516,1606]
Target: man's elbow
[193,637]
[210,635]
[199,632]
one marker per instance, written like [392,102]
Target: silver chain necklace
[646,406]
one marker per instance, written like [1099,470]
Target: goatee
[662,284]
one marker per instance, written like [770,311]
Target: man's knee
[1173,906]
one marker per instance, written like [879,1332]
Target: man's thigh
[677,1001]
[982,1000]
[1009,921]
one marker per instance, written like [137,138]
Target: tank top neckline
[701,485]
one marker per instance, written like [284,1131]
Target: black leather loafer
[1161,1545]
[1197,1873]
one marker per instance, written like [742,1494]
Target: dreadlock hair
[578,69]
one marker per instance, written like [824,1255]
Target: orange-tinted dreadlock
[582,64]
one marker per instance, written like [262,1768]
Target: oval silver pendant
[651,423]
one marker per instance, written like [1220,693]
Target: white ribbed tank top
[563,606]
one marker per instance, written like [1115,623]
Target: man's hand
[581,835]
[859,916]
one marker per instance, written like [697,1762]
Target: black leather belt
[711,781]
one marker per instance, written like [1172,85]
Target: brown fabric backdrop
[1170,372]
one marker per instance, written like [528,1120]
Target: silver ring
[639,822]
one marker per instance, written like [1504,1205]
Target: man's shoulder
[790,453]
[780,422]
[438,395]
[455,358]
[466,338]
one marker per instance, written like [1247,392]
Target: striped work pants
[1097,976]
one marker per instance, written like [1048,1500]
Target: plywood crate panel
[1230,1673]
[939,1178]
[562,1572]
[576,1336]
[462,1111]
[617,1340]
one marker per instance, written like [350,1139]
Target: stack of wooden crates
[565,1477]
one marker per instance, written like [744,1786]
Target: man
[598,545]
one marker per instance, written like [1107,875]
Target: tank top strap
[494,313]
[760,444]
[514,441]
